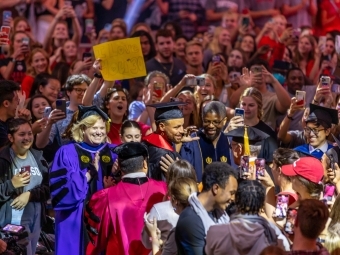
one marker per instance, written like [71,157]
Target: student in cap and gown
[319,121]
[252,142]
[74,177]
[115,215]
[168,138]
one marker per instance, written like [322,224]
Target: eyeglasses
[215,123]
[79,91]
[315,131]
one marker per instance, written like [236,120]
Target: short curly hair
[75,80]
[250,197]
[217,173]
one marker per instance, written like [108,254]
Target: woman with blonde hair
[251,103]
[79,169]
[221,43]
[37,62]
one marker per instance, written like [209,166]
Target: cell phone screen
[244,165]
[239,112]
[13,228]
[25,169]
[290,222]
[281,206]
[260,164]
[87,56]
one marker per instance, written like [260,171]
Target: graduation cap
[248,136]
[131,150]
[168,111]
[86,111]
[325,116]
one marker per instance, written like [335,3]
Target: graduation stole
[210,153]
[158,141]
[85,158]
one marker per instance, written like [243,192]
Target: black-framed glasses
[314,130]
[214,122]
[79,91]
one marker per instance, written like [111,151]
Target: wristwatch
[98,75]
[288,117]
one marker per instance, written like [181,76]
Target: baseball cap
[308,167]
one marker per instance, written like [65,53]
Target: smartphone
[14,229]
[158,88]
[61,105]
[200,81]
[239,112]
[337,44]
[6,29]
[290,221]
[108,27]
[6,15]
[211,30]
[25,169]
[244,166]
[257,69]
[216,59]
[245,21]
[328,192]
[300,98]
[26,41]
[260,166]
[88,26]
[87,56]
[325,80]
[47,112]
[281,206]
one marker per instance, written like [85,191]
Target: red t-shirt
[332,8]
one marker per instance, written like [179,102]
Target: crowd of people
[229,144]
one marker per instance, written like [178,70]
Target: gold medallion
[85,159]
[208,160]
[106,159]
[223,159]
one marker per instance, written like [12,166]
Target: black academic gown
[157,148]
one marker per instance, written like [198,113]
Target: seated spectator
[164,62]
[311,219]
[273,103]
[246,224]
[37,62]
[14,67]
[221,43]
[206,208]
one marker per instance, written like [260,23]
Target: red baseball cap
[308,167]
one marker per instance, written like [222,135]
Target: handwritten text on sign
[121,59]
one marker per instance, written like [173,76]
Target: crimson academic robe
[119,211]
[70,190]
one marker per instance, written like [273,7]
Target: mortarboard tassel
[246,142]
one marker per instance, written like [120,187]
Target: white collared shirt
[134,175]
[322,148]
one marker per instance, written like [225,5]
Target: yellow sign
[106,159]
[85,159]
[121,59]
[208,160]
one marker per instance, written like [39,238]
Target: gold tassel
[246,142]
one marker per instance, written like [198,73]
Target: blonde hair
[214,46]
[213,80]
[30,69]
[181,189]
[90,121]
[194,119]
[257,96]
[332,242]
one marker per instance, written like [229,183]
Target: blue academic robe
[304,150]
[70,190]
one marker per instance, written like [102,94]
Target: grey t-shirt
[223,6]
[298,139]
[261,5]
[302,17]
[36,180]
